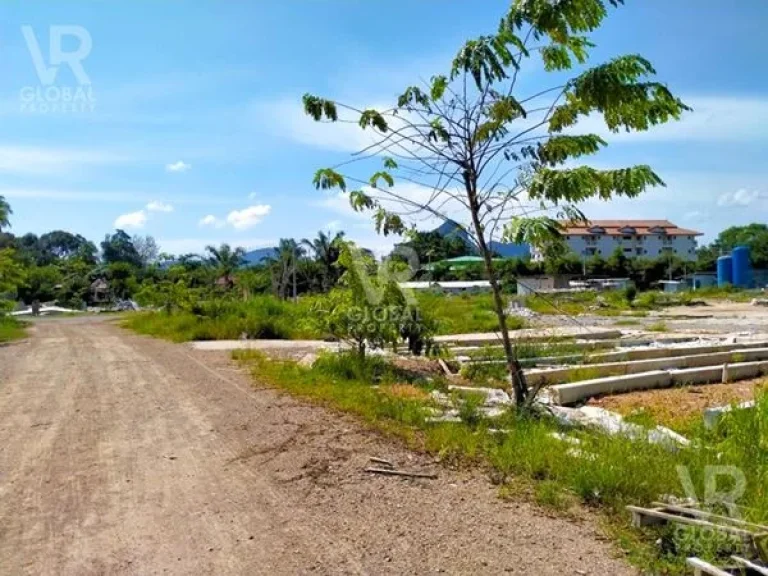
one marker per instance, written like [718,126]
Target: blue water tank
[742,270]
[724,271]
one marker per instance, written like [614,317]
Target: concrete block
[704,375]
[712,415]
[576,391]
[742,371]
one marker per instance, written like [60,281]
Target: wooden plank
[699,513]
[445,367]
[751,565]
[660,514]
[391,472]
[700,567]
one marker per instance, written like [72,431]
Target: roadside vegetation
[523,452]
[11,329]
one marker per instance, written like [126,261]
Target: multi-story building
[647,238]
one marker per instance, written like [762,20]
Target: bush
[263,317]
[630,293]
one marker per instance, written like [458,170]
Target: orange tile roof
[613,227]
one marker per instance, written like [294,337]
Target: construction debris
[712,415]
[753,536]
[613,424]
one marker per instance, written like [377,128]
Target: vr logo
[57,55]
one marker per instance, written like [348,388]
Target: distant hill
[256,257]
[503,249]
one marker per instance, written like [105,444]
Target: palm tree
[283,264]
[327,251]
[5,212]
[226,261]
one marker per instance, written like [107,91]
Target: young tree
[11,271]
[5,213]
[119,247]
[283,264]
[147,248]
[471,142]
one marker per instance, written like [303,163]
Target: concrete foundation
[536,377]
[527,335]
[577,391]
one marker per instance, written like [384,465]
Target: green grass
[657,327]
[267,317]
[606,473]
[11,329]
[259,317]
[464,313]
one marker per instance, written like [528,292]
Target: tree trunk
[515,370]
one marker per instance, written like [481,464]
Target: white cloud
[41,160]
[333,226]
[248,217]
[157,206]
[131,220]
[741,197]
[179,166]
[211,221]
[286,118]
[253,196]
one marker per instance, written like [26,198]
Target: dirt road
[125,455]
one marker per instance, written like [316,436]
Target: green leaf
[327,178]
[438,132]
[319,108]
[413,95]
[390,164]
[360,201]
[439,84]
[373,118]
[579,184]
[560,148]
[382,175]
[388,223]
[480,59]
[617,91]
[536,231]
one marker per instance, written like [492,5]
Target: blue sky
[196,135]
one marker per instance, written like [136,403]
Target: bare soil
[125,455]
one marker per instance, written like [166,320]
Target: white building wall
[648,246]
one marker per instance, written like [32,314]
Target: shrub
[630,293]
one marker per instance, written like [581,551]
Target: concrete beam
[706,375]
[537,377]
[527,335]
[576,391]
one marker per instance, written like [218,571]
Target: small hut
[99,291]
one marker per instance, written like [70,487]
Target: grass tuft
[11,329]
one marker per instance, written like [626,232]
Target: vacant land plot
[125,455]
